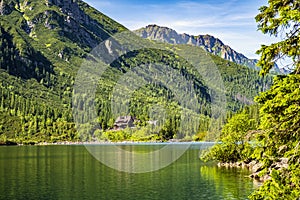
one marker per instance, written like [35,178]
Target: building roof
[124,121]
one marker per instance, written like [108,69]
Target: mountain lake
[71,172]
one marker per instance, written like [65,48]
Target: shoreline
[123,143]
[67,143]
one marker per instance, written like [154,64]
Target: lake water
[71,172]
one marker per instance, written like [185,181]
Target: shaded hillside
[44,43]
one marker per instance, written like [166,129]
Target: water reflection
[228,183]
[70,172]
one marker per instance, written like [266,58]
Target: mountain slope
[44,43]
[207,42]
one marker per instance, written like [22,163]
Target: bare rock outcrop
[256,168]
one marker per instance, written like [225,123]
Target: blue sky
[232,21]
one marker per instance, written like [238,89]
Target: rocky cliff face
[207,42]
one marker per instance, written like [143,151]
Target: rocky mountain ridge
[207,42]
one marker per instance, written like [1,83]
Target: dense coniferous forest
[44,43]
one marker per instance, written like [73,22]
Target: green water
[70,172]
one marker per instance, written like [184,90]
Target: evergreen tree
[280,110]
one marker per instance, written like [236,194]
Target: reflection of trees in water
[228,182]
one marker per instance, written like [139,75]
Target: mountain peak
[207,42]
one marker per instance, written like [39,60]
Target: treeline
[44,112]
[149,90]
[33,120]
[242,84]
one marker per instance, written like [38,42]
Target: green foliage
[234,143]
[42,47]
[200,136]
[280,18]
[38,65]
[114,136]
[280,115]
[242,84]
[138,134]
[279,123]
[283,185]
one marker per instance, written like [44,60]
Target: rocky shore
[256,167]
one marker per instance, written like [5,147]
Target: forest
[39,63]
[272,139]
